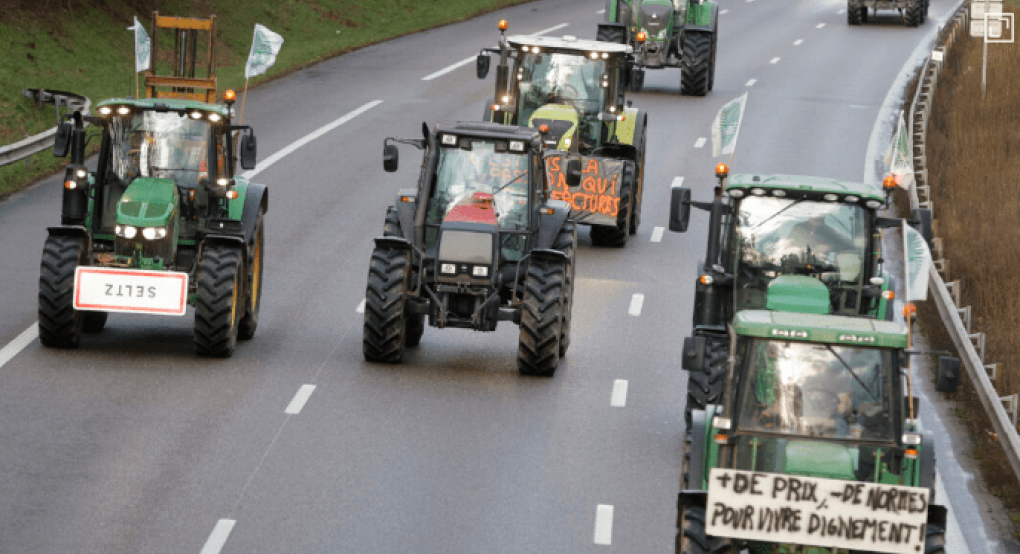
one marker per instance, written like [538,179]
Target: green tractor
[667,33]
[573,90]
[479,241]
[914,12]
[818,448]
[763,227]
[162,223]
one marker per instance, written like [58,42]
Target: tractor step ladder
[183,84]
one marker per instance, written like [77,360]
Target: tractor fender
[702,17]
[550,224]
[549,255]
[68,231]
[393,243]
[937,515]
[696,465]
[691,498]
[616,25]
[926,467]
[256,199]
[631,130]
[405,210]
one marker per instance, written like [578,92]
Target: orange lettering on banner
[603,185]
[589,184]
[595,194]
[554,163]
[592,168]
[614,186]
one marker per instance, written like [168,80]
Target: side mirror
[248,149]
[948,377]
[390,158]
[920,219]
[637,79]
[680,209]
[694,354]
[482,66]
[62,140]
[573,172]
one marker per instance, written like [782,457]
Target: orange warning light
[909,310]
[230,96]
[889,182]
[722,170]
[641,37]
[503,24]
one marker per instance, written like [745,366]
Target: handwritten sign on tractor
[596,199]
[816,512]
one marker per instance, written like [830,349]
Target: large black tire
[691,537]
[93,322]
[855,13]
[566,242]
[611,34]
[696,63]
[414,324]
[385,330]
[60,325]
[639,182]
[219,300]
[711,71]
[913,16]
[934,539]
[605,235]
[542,314]
[706,387]
[253,284]
[391,226]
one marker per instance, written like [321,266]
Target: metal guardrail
[947,295]
[37,143]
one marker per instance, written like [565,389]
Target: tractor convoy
[801,424]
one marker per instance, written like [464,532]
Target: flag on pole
[143,47]
[264,48]
[899,157]
[918,258]
[726,127]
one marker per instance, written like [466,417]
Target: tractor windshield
[160,144]
[780,236]
[487,166]
[818,390]
[563,79]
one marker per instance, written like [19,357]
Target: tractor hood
[819,459]
[148,202]
[655,16]
[799,294]
[562,121]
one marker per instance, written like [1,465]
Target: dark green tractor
[914,12]
[574,91]
[667,33]
[480,240]
[818,448]
[163,222]
[763,227]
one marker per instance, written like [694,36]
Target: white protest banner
[813,511]
[265,45]
[918,257]
[726,126]
[143,47]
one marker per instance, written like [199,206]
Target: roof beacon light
[909,310]
[721,170]
[230,96]
[889,182]
[641,37]
[543,128]
[503,24]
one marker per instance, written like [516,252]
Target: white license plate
[131,291]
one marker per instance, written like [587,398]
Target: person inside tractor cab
[565,79]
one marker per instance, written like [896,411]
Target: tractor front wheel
[855,13]
[913,16]
[219,300]
[696,65]
[691,537]
[706,386]
[385,336]
[934,539]
[543,310]
[566,242]
[250,321]
[60,325]
[616,235]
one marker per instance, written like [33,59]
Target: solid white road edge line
[361,306]
[466,61]
[603,524]
[19,343]
[309,138]
[300,399]
[657,234]
[619,397]
[635,304]
[700,142]
[218,537]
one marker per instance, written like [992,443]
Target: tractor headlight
[480,271]
[448,269]
[152,233]
[125,231]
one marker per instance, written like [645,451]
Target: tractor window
[481,169]
[780,236]
[562,79]
[160,144]
[818,390]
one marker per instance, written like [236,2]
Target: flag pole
[244,99]
[909,316]
[136,85]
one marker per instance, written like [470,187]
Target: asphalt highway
[295,444]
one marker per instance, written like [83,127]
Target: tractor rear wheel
[855,13]
[385,331]
[391,226]
[913,16]
[253,284]
[93,322]
[639,184]
[60,325]
[219,300]
[691,537]
[608,235]
[696,64]
[706,386]
[934,539]
[542,314]
[566,242]
[414,323]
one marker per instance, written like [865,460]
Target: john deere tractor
[667,33]
[914,12]
[573,91]
[479,241]
[818,448]
[762,227]
[163,222]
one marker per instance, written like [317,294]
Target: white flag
[726,126]
[899,157]
[918,259]
[143,47]
[264,48]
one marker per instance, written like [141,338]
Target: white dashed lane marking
[700,142]
[219,536]
[820,25]
[798,42]
[619,396]
[603,524]
[724,12]
[601,11]
[636,302]
[657,234]
[361,307]
[19,343]
[775,60]
[300,399]
[751,82]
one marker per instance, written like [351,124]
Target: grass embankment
[973,154]
[82,46]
